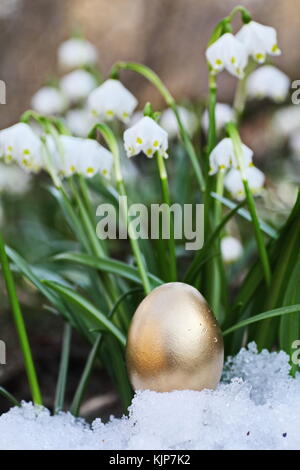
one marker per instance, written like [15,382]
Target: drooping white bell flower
[169,122]
[286,121]
[259,40]
[294,143]
[110,100]
[268,82]
[79,156]
[20,144]
[77,85]
[13,180]
[146,136]
[79,122]
[227,53]
[231,249]
[223,156]
[76,52]
[223,113]
[234,184]
[48,101]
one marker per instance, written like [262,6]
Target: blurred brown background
[168,35]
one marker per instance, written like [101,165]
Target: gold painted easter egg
[174,341]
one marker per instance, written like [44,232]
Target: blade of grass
[5,394]
[267,229]
[83,382]
[63,369]
[264,316]
[108,265]
[20,326]
[89,309]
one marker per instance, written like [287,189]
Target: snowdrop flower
[169,123]
[78,85]
[13,180]
[224,114]
[76,52]
[294,143]
[231,249]
[234,184]
[286,121]
[20,144]
[259,40]
[227,53]
[79,156]
[49,100]
[223,157]
[79,122]
[112,99]
[268,82]
[146,136]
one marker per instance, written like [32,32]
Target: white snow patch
[257,406]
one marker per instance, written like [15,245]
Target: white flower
[13,180]
[169,122]
[227,53]
[223,156]
[112,99]
[231,249]
[224,114]
[77,85]
[79,122]
[268,81]
[286,120]
[76,52]
[259,40]
[146,136]
[20,144]
[79,156]
[294,143]
[49,100]
[234,183]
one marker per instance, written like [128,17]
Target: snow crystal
[257,406]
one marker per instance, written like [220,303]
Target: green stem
[20,326]
[212,101]
[237,144]
[167,200]
[240,96]
[156,81]
[113,146]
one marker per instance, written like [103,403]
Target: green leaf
[264,316]
[82,385]
[88,308]
[4,393]
[63,369]
[108,265]
[267,229]
[202,256]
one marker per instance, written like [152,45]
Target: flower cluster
[79,156]
[234,182]
[146,136]
[231,52]
[268,82]
[110,100]
[68,155]
[223,158]
[21,145]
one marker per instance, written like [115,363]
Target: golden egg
[174,341]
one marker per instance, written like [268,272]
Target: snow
[257,406]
